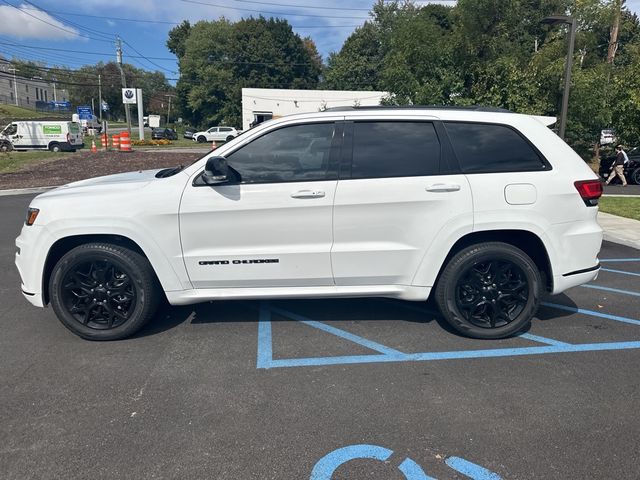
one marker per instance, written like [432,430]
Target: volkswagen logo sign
[128,94]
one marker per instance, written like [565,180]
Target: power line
[264,12]
[166,22]
[74,32]
[297,5]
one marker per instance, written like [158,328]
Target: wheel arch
[63,245]
[527,241]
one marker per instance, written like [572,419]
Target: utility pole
[169,109]
[100,96]
[571,22]
[124,80]
[615,29]
[15,85]
[55,95]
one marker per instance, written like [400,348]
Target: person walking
[617,168]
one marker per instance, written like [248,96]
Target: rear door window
[394,149]
[491,148]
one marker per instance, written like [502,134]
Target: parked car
[40,135]
[188,133]
[217,134]
[483,210]
[631,168]
[607,137]
[164,134]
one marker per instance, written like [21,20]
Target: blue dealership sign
[85,112]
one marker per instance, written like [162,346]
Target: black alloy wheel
[202,139]
[99,294]
[635,176]
[492,293]
[102,291]
[489,290]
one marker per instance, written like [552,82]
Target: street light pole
[563,19]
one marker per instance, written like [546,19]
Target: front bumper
[32,248]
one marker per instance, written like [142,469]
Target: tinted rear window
[394,149]
[483,148]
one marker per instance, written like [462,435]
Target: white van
[35,135]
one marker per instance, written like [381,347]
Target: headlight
[32,214]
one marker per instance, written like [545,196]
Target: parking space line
[339,333]
[614,290]
[623,272]
[591,313]
[265,343]
[387,355]
[619,260]
[452,355]
[537,338]
[471,470]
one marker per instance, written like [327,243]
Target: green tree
[221,57]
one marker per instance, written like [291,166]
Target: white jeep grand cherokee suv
[481,208]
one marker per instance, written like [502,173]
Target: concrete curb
[25,191]
[620,230]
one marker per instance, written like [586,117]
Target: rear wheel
[55,147]
[101,291]
[489,290]
[230,137]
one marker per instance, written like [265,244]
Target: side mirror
[216,171]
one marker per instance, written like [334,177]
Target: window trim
[346,162]
[547,166]
[334,155]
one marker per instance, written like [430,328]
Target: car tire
[202,139]
[55,147]
[635,176]
[102,291]
[6,147]
[489,290]
[230,137]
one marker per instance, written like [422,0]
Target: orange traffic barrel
[115,141]
[104,140]
[125,142]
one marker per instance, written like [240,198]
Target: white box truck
[40,135]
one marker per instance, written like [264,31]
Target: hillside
[9,113]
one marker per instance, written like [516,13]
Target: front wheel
[489,290]
[202,139]
[635,176]
[102,291]
[5,147]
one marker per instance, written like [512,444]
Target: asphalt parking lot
[324,389]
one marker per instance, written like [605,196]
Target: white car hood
[117,182]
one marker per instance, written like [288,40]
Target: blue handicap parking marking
[385,354]
[621,272]
[329,464]
[619,260]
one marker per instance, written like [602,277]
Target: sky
[79,32]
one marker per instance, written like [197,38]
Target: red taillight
[589,190]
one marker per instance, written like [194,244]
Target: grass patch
[14,161]
[621,206]
[11,113]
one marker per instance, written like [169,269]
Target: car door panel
[383,225]
[272,225]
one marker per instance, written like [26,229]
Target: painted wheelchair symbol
[327,466]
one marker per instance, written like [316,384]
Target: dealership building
[261,104]
[30,92]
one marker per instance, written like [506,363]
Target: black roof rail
[474,108]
